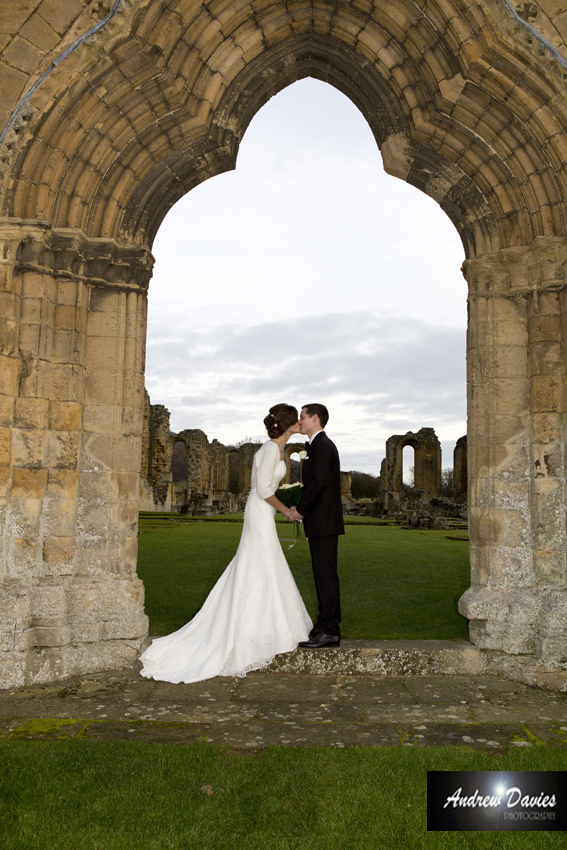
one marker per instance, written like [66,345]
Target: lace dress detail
[253,612]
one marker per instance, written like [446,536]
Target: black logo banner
[496,800]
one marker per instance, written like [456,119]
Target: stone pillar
[72,362]
[517,337]
[460,467]
[157,452]
[247,452]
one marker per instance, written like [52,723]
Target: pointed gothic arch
[112,128]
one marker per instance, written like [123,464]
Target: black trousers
[324,552]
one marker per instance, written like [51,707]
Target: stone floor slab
[147,733]
[366,690]
[486,737]
[285,688]
[324,713]
[219,689]
[417,713]
[257,736]
[440,689]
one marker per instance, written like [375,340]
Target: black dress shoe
[321,639]
[314,632]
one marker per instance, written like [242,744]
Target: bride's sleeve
[267,460]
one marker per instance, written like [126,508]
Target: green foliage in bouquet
[289,494]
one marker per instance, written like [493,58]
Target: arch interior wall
[110,114]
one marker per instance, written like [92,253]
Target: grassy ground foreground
[82,795]
[395,583]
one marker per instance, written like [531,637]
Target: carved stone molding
[517,271]
[36,246]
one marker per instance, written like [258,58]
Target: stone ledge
[385,658]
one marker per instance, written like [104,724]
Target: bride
[254,611]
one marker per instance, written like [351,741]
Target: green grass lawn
[84,795]
[395,583]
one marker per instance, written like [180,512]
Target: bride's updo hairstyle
[279,419]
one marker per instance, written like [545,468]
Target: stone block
[554,611]
[92,556]
[546,393]
[24,558]
[31,413]
[13,82]
[101,419]
[123,626]
[39,32]
[27,447]
[65,382]
[545,358]
[9,375]
[50,635]
[5,481]
[59,519]
[547,427]
[127,514]
[519,642]
[48,602]
[552,648]
[23,55]
[5,446]
[13,669]
[25,516]
[62,449]
[100,450]
[6,411]
[67,347]
[104,325]
[128,485]
[59,555]
[104,352]
[15,604]
[62,483]
[104,301]
[84,630]
[7,637]
[102,387]
[65,415]
[60,13]
[29,483]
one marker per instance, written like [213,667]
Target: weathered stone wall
[460,476]
[72,397]
[156,482]
[427,466]
[517,600]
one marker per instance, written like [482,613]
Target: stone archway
[115,123]
[427,465]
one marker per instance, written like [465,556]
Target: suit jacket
[320,503]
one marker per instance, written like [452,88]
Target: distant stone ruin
[206,489]
[427,468]
[423,505]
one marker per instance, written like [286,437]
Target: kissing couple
[255,611]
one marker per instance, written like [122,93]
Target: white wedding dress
[253,612]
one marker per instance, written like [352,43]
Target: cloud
[308,274]
[377,375]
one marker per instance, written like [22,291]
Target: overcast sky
[308,274]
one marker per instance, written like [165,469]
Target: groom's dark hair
[317,410]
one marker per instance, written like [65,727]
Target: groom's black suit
[322,511]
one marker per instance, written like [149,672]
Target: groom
[321,510]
